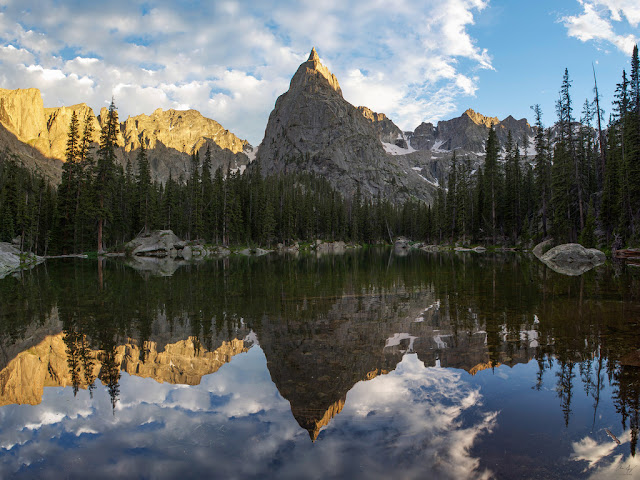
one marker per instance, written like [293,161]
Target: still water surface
[365,365]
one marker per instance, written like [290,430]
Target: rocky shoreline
[12,260]
[161,252]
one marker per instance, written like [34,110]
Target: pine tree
[207,196]
[542,170]
[610,211]
[479,194]
[464,199]
[68,191]
[587,236]
[170,204]
[634,84]
[561,199]
[588,151]
[440,208]
[528,200]
[84,211]
[512,188]
[632,163]
[566,185]
[492,182]
[268,223]
[105,171]
[195,197]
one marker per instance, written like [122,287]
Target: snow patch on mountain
[392,149]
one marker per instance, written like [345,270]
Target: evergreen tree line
[101,204]
[581,185]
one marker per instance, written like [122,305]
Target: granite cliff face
[38,136]
[171,136]
[388,132]
[22,113]
[313,129]
[58,120]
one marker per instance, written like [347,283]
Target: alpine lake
[362,365]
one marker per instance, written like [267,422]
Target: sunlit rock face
[46,129]
[22,113]
[58,120]
[50,364]
[314,129]
[39,136]
[171,136]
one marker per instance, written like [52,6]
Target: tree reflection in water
[326,324]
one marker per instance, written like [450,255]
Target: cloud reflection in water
[412,422]
[605,460]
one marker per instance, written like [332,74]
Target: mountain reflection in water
[351,348]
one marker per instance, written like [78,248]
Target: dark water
[365,365]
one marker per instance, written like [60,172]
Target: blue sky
[415,61]
[531,45]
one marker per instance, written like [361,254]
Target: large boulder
[330,247]
[158,243]
[573,259]
[11,261]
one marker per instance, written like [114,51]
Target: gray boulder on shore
[11,261]
[572,259]
[158,243]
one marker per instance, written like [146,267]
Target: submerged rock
[629,255]
[573,259]
[282,248]
[11,260]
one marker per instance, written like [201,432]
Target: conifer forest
[579,181]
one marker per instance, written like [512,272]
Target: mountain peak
[480,119]
[313,56]
[314,69]
[312,128]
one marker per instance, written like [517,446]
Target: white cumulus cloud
[231,60]
[604,21]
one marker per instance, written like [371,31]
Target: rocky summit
[314,129]
[468,133]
